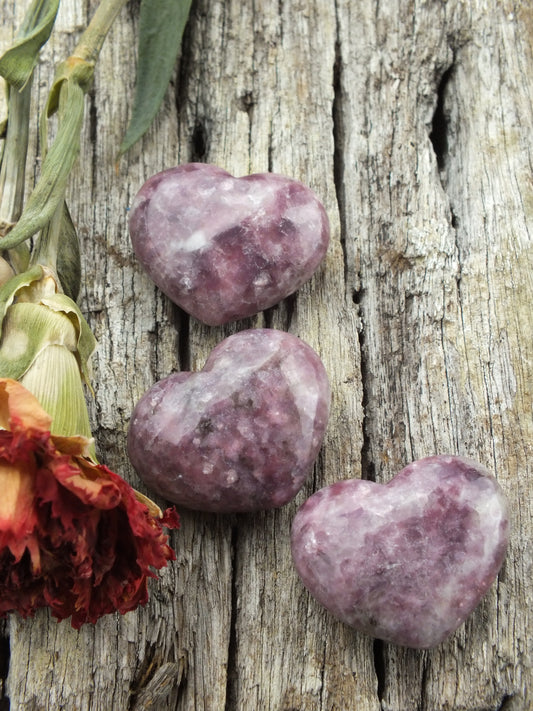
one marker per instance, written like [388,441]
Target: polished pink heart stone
[223,248]
[240,435]
[407,561]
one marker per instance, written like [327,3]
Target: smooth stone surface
[240,435]
[407,561]
[223,248]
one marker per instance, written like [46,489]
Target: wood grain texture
[412,121]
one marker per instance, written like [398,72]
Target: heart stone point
[224,248]
[407,561]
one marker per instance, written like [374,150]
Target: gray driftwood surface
[413,122]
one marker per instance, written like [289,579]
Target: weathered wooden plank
[412,122]
[444,276]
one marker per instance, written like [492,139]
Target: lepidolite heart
[407,561]
[240,435]
[224,248]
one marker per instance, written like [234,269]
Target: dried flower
[74,536]
[46,344]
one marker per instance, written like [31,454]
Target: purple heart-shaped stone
[240,435]
[407,561]
[223,248]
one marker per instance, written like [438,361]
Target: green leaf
[17,64]
[68,257]
[50,188]
[160,33]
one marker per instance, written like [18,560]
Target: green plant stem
[13,170]
[91,41]
[73,79]
[57,163]
[46,249]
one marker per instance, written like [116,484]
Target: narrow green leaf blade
[160,33]
[16,65]
[68,257]
[50,187]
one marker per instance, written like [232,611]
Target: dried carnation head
[74,536]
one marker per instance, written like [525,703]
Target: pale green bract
[46,345]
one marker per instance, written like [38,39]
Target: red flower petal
[74,536]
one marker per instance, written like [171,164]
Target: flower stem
[14,158]
[73,79]
[91,41]
[13,168]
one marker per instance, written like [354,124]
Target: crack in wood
[199,142]
[93,132]
[5,653]
[164,679]
[351,280]
[157,678]
[270,150]
[440,121]
[182,325]
[368,469]
[424,683]
[185,59]
[232,672]
[338,155]
[510,702]
[281,315]
[378,649]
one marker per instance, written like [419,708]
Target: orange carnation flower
[74,536]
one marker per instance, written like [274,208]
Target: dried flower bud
[46,344]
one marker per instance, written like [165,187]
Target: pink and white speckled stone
[240,435]
[224,248]
[407,561]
